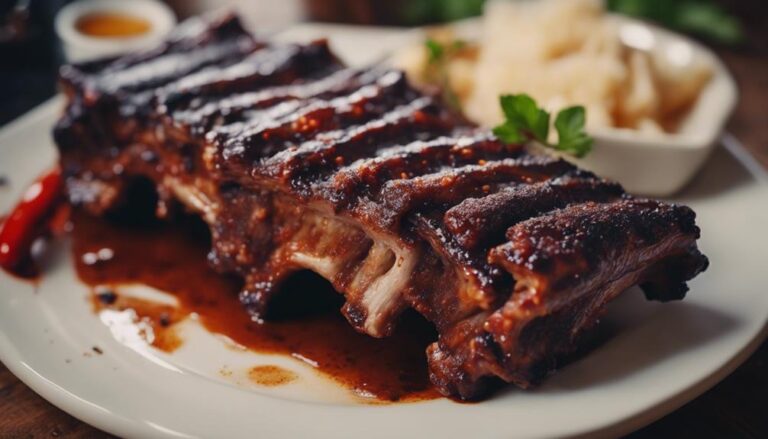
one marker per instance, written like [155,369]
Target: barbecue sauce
[304,320]
[271,376]
[112,25]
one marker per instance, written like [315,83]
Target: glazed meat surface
[296,162]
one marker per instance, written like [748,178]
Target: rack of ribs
[296,162]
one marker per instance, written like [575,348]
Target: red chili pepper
[22,226]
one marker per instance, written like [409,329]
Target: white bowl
[647,163]
[79,47]
[661,164]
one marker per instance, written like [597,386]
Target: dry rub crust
[296,162]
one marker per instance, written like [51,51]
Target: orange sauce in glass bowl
[112,25]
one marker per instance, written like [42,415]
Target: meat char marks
[297,162]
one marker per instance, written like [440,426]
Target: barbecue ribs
[296,162]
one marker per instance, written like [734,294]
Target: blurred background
[30,51]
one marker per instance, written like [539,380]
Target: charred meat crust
[567,265]
[296,162]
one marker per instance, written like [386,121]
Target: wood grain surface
[737,407]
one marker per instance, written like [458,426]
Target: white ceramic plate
[662,355]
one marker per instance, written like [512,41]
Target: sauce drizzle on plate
[305,321]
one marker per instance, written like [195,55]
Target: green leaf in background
[416,12]
[699,17]
[451,10]
[710,21]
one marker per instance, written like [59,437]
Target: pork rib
[297,162]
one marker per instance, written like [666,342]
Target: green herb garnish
[435,51]
[525,121]
[438,56]
[438,52]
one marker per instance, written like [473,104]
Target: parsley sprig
[435,51]
[525,121]
[438,52]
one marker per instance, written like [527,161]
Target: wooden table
[737,407]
